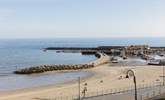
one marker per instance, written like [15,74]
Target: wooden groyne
[102,59]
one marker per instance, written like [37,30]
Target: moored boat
[114,60]
[154,62]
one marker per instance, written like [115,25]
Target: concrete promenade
[143,94]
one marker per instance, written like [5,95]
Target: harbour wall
[112,50]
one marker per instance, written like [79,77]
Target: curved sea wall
[102,59]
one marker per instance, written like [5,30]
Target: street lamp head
[127,76]
[130,73]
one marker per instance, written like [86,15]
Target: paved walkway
[112,97]
[142,94]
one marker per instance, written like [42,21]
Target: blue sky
[81,18]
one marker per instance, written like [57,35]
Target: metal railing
[152,94]
[125,90]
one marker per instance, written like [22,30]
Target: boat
[124,57]
[154,62]
[161,55]
[44,50]
[114,60]
[58,51]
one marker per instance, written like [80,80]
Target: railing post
[97,92]
[153,93]
[141,97]
[79,97]
[159,90]
[111,91]
[147,95]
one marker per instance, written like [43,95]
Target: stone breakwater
[45,68]
[102,59]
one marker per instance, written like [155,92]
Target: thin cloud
[4,13]
[31,1]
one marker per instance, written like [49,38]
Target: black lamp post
[134,80]
[162,63]
[163,75]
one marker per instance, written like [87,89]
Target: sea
[21,53]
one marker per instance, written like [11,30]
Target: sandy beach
[104,77]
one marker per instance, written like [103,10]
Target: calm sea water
[19,53]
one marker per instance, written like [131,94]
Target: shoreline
[110,76]
[90,74]
[49,86]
